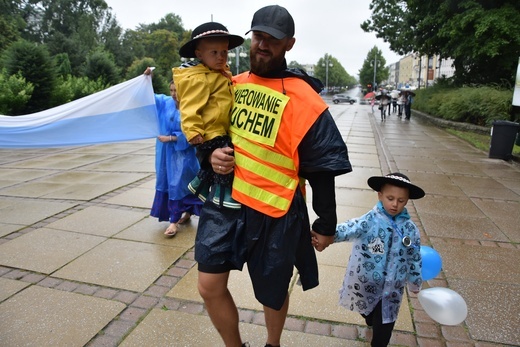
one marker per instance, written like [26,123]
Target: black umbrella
[408,91]
[383,96]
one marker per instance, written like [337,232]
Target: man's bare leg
[220,306]
[274,322]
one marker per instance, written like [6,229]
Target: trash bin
[503,136]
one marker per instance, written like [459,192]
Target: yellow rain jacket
[205,100]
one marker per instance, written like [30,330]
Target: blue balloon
[431,263]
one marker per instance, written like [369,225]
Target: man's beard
[263,67]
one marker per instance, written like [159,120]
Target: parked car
[342,98]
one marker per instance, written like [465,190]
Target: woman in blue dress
[175,166]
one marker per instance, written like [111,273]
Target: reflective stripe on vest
[267,173]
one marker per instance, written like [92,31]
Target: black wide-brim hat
[396,179]
[207,30]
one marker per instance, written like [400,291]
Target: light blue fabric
[380,264]
[175,162]
[123,112]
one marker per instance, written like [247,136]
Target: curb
[443,123]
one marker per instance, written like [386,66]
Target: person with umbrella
[371,97]
[408,104]
[395,95]
[401,101]
[407,95]
[384,102]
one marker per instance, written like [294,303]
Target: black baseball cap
[274,20]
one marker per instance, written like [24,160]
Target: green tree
[366,73]
[62,63]
[111,39]
[337,75]
[163,47]
[70,88]
[160,80]
[36,66]
[482,36]
[11,23]
[133,46]
[100,64]
[15,93]
[75,27]
[296,65]
[171,22]
[70,17]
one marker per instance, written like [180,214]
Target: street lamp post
[419,79]
[239,53]
[327,64]
[375,70]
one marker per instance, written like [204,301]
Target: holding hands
[320,242]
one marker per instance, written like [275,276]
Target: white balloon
[443,305]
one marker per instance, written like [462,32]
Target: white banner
[123,112]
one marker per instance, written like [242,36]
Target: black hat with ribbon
[208,30]
[396,179]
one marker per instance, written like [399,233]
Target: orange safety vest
[267,125]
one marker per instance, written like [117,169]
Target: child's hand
[197,140]
[320,242]
[164,138]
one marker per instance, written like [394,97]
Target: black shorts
[272,247]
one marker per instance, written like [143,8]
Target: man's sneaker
[227,200]
[199,188]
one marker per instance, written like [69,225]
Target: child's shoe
[199,188]
[223,197]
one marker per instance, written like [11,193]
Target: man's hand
[222,160]
[320,242]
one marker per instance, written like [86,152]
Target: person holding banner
[282,134]
[175,165]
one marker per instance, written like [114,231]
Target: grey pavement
[83,264]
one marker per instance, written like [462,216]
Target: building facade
[412,71]
[419,71]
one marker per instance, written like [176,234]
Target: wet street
[83,264]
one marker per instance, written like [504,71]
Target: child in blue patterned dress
[385,256]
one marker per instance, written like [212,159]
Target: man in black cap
[283,134]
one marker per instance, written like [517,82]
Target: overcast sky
[321,26]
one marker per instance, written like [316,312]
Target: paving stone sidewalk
[83,264]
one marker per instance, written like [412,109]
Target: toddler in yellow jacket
[205,93]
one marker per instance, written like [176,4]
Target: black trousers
[381,333]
